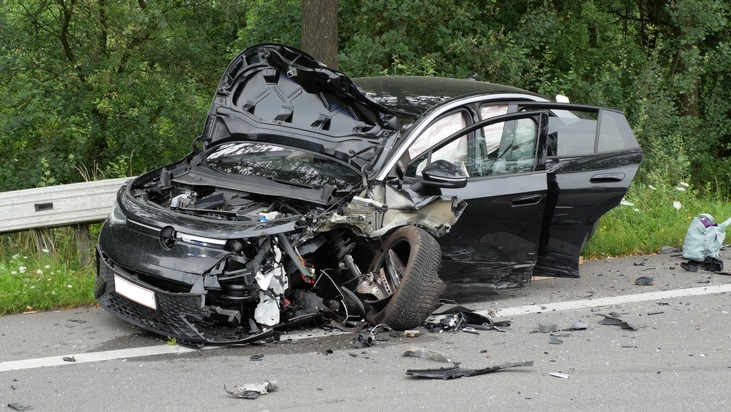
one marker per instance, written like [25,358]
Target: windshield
[283,164]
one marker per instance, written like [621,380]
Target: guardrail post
[82,239]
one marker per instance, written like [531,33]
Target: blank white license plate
[134,293]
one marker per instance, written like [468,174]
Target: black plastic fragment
[710,264]
[613,319]
[19,407]
[645,281]
[456,372]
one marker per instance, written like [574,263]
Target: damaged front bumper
[176,315]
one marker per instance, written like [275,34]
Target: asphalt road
[679,358]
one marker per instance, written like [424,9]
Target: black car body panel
[311,195]
[281,95]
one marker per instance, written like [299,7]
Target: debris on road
[553,327]
[548,327]
[364,339]
[656,312]
[555,340]
[645,281]
[559,375]
[411,333]
[578,325]
[256,357]
[19,407]
[252,390]
[427,354]
[710,264]
[69,359]
[456,372]
[453,318]
[613,319]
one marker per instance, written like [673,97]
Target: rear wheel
[407,264]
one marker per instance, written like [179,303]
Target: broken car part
[452,318]
[252,390]
[363,339]
[614,320]
[458,372]
[645,281]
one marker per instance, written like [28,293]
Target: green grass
[647,220]
[30,283]
[650,217]
[52,278]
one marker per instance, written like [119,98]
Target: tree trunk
[320,30]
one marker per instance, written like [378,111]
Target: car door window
[571,132]
[513,145]
[615,133]
[455,151]
[517,150]
[492,133]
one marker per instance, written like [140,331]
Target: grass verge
[650,217]
[37,283]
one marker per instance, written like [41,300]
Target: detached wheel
[407,265]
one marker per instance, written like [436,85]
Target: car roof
[414,95]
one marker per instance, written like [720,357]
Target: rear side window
[615,132]
[579,132]
[571,133]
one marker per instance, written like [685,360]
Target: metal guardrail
[53,206]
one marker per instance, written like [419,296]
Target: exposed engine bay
[309,262]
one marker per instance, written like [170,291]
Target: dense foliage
[94,87]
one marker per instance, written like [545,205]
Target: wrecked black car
[310,195]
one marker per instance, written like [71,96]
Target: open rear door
[592,157]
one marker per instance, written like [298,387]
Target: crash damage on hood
[272,220]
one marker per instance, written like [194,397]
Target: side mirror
[441,174]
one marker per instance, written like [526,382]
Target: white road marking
[612,300]
[505,312]
[93,357]
[133,353]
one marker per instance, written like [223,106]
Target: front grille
[178,315]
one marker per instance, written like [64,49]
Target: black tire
[417,291]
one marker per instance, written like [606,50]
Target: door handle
[607,177]
[526,200]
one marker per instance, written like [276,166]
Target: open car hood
[281,95]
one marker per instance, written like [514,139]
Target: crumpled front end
[183,272]
[178,315]
[204,278]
